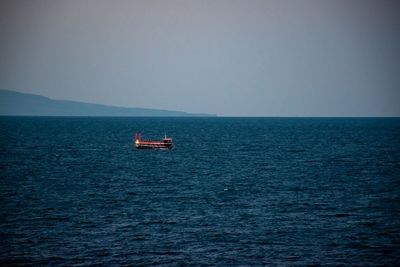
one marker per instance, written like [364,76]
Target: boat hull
[153,146]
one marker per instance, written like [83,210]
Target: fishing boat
[165,143]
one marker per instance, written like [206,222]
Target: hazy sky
[227,57]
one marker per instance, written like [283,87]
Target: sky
[225,57]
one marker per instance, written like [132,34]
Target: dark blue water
[233,191]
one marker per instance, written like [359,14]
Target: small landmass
[14,103]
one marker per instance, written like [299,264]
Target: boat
[165,143]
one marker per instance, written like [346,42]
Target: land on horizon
[14,103]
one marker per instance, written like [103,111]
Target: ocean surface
[232,192]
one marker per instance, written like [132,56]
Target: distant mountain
[21,104]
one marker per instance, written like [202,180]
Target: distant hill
[21,104]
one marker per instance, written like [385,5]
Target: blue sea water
[233,192]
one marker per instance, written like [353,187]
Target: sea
[232,192]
